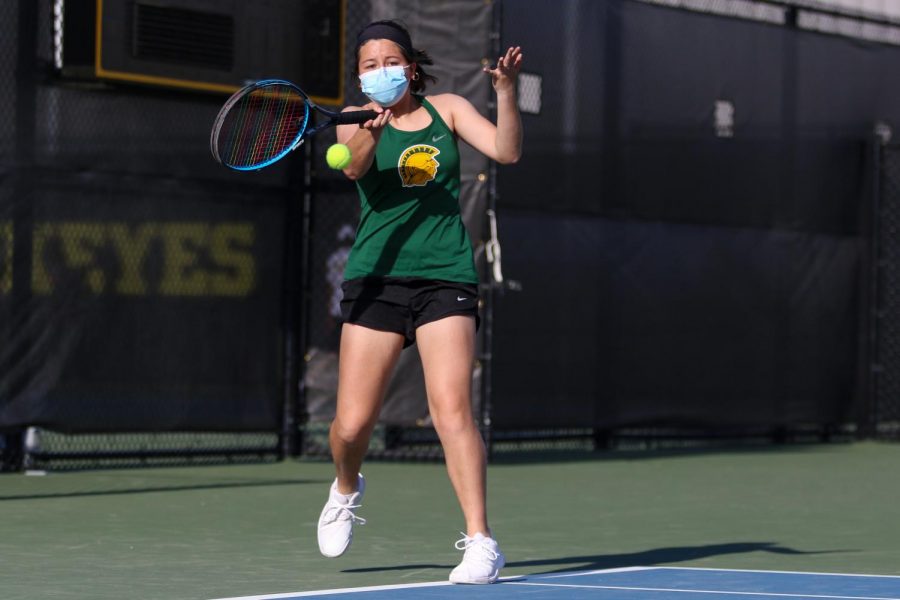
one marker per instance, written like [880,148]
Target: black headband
[385,31]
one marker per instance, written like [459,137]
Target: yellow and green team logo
[418,165]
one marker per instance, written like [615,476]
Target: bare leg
[367,359]
[447,348]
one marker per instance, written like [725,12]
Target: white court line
[373,588]
[781,572]
[514,580]
[403,586]
[597,572]
[682,591]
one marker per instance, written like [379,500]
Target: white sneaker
[481,563]
[336,521]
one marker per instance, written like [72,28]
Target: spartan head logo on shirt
[418,165]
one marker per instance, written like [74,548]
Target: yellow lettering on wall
[197,259]
[40,279]
[80,242]
[6,256]
[231,247]
[131,250]
[183,276]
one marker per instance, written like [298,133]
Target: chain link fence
[884,414]
[141,285]
[404,430]
[8,54]
[864,21]
[144,290]
[9,40]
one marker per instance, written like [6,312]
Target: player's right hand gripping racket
[262,122]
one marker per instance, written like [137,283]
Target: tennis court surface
[571,526]
[640,583]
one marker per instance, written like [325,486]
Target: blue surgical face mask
[385,86]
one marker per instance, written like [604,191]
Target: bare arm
[501,142]
[362,140]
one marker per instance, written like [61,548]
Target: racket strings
[261,126]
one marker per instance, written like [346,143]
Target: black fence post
[12,451]
[868,416]
[488,294]
[296,300]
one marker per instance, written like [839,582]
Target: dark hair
[397,33]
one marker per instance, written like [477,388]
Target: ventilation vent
[183,36]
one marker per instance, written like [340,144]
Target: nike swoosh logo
[438,138]
[460,298]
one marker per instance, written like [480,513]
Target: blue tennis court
[640,583]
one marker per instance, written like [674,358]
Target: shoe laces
[344,512]
[480,546]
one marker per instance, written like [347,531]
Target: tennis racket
[262,122]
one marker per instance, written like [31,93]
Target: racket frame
[305,131]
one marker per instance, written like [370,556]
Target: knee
[450,417]
[351,431]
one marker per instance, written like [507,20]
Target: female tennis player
[410,277]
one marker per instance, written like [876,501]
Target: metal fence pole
[868,418]
[305,298]
[295,300]
[487,356]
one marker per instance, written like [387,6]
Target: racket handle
[355,116]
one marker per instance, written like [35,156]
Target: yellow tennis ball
[338,156]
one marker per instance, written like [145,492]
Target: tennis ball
[338,156]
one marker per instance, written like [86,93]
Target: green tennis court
[214,532]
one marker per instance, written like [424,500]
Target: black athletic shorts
[400,304]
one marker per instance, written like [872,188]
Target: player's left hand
[504,74]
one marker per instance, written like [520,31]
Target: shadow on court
[658,556]
[165,488]
[517,457]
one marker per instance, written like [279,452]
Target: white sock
[339,497]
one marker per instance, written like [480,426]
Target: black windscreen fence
[665,324]
[690,222]
[150,304]
[668,115]
[699,237]
[142,287]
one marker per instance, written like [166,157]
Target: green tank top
[410,225]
